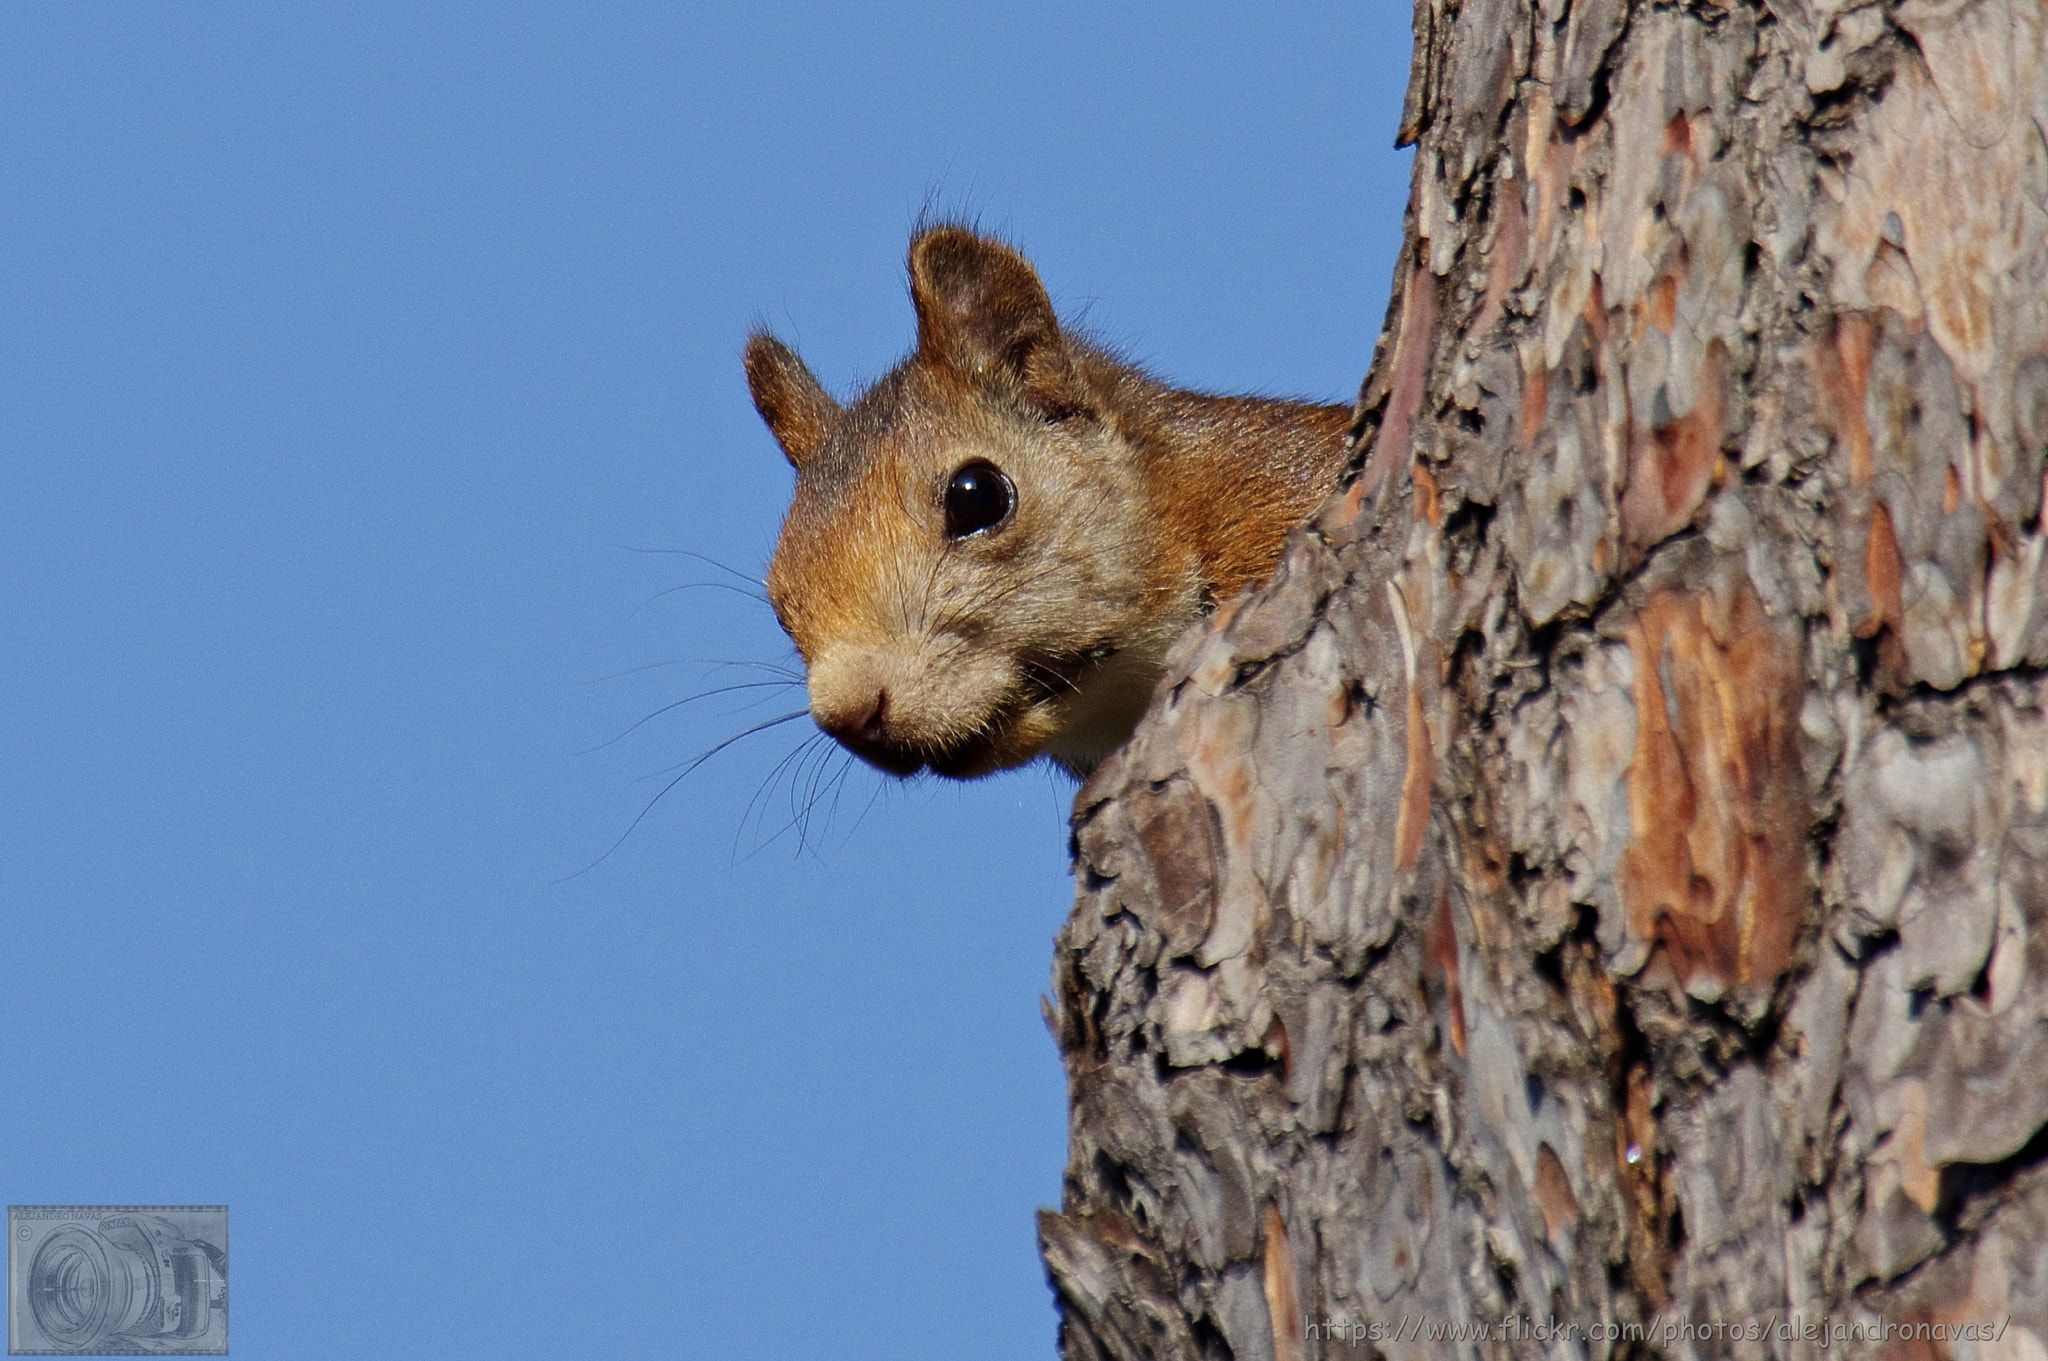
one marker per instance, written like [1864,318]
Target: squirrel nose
[855,714]
[857,696]
[865,720]
[875,726]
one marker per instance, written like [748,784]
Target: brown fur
[1138,507]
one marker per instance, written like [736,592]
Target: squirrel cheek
[1030,732]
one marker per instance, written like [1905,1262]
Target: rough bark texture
[1603,878]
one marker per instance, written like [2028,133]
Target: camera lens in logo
[134,1277]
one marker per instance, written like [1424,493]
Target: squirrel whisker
[688,699]
[692,553]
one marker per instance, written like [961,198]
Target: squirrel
[991,549]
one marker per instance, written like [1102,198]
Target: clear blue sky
[347,355]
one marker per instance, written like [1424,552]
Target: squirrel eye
[978,498]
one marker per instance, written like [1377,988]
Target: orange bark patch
[1635,1136]
[1348,507]
[1428,500]
[1551,161]
[1884,567]
[1218,763]
[1920,1179]
[1486,863]
[1592,993]
[1535,404]
[1715,873]
[1639,1121]
[1845,375]
[1413,818]
[1678,135]
[1440,958]
[1671,468]
[1177,831]
[1554,1192]
[1884,571]
[1337,711]
[1283,1291]
[1510,258]
[1274,1043]
[1411,368]
[1662,304]
[1596,311]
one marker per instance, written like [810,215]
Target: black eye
[978,497]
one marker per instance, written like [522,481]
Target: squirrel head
[967,562]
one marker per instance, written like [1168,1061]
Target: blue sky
[362,371]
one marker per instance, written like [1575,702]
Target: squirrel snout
[850,699]
[863,720]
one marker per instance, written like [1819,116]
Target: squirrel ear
[799,412]
[982,312]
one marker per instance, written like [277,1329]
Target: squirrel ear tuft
[982,312]
[799,412]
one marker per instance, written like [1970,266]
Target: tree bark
[1602,880]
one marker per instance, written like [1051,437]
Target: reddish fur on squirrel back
[1127,510]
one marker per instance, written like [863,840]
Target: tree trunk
[1601,884]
